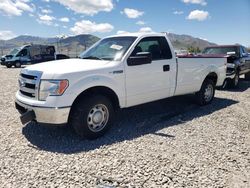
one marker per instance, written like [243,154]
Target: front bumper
[230,73]
[45,115]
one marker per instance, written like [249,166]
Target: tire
[8,66]
[247,76]
[224,86]
[92,116]
[18,64]
[234,83]
[206,94]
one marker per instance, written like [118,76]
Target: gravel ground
[170,143]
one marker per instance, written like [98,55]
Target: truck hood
[68,66]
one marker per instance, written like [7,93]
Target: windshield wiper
[92,57]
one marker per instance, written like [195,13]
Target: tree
[195,50]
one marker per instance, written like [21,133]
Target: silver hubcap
[98,117]
[208,93]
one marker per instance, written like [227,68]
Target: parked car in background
[181,52]
[29,54]
[9,56]
[238,61]
[117,72]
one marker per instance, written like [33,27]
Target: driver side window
[157,46]
[23,52]
[151,45]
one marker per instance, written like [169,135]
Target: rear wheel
[234,83]
[92,116]
[247,76]
[17,64]
[206,93]
[8,66]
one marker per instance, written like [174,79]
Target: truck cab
[238,61]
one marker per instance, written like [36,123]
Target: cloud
[203,39]
[199,15]
[64,19]
[86,26]
[201,2]
[46,19]
[6,35]
[178,12]
[140,23]
[46,11]
[15,8]
[142,30]
[122,32]
[145,30]
[132,13]
[88,7]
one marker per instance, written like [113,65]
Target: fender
[98,80]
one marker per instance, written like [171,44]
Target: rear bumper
[44,115]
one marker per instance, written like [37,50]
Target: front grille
[29,82]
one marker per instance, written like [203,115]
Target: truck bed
[198,66]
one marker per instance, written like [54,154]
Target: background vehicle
[29,54]
[238,63]
[181,52]
[9,56]
[117,72]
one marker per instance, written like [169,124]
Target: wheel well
[212,76]
[99,90]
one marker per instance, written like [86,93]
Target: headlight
[52,88]
[230,65]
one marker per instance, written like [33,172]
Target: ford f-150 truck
[117,72]
[238,61]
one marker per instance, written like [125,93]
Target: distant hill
[186,41]
[74,45]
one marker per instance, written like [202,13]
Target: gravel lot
[170,143]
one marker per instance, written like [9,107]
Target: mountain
[186,41]
[74,45]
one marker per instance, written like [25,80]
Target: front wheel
[92,116]
[206,93]
[8,66]
[234,83]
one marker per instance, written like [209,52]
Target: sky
[219,21]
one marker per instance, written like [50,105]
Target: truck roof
[224,46]
[138,35]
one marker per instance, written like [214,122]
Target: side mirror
[244,54]
[140,58]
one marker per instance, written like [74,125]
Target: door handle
[166,68]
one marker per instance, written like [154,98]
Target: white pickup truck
[117,72]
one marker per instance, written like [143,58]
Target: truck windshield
[14,51]
[109,49]
[219,50]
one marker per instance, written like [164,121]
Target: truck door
[246,59]
[24,56]
[153,81]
